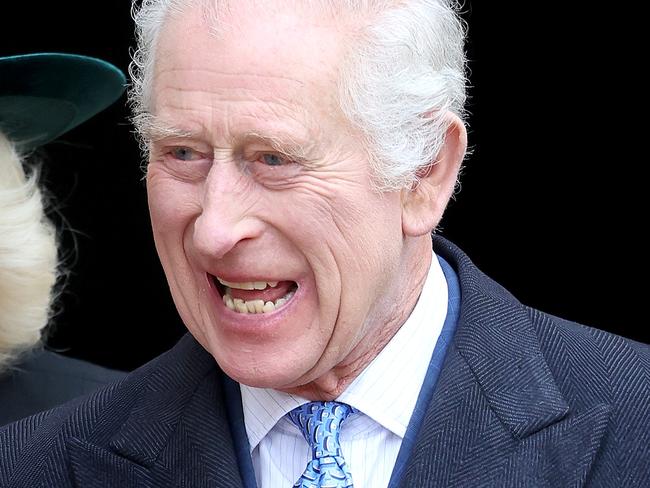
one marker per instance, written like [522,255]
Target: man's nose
[227,216]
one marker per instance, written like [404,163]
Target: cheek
[371,243]
[368,222]
[172,204]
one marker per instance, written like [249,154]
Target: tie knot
[320,424]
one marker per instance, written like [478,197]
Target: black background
[551,200]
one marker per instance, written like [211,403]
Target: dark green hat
[44,95]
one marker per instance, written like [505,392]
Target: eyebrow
[284,144]
[155,129]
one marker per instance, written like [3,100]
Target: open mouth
[255,297]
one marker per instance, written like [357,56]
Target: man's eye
[273,160]
[184,154]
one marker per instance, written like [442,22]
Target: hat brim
[44,95]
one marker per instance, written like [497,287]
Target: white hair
[404,74]
[28,258]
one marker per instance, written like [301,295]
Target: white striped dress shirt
[385,393]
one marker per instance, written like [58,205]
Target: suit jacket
[524,399]
[44,380]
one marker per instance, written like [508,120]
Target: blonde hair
[28,258]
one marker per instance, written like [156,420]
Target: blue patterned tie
[320,423]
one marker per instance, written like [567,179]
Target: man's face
[269,188]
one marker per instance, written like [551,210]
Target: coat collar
[497,416]
[497,340]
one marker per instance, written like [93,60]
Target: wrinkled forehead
[280,70]
[269,42]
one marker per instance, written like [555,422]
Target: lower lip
[253,323]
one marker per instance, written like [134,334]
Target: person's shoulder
[57,365]
[32,437]
[602,346]
[43,380]
[591,345]
[597,370]
[126,387]
[44,434]
[27,442]
[593,364]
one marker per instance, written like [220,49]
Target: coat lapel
[176,432]
[497,417]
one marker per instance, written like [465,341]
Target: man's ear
[424,202]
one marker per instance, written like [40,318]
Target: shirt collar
[399,368]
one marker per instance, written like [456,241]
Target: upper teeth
[249,285]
